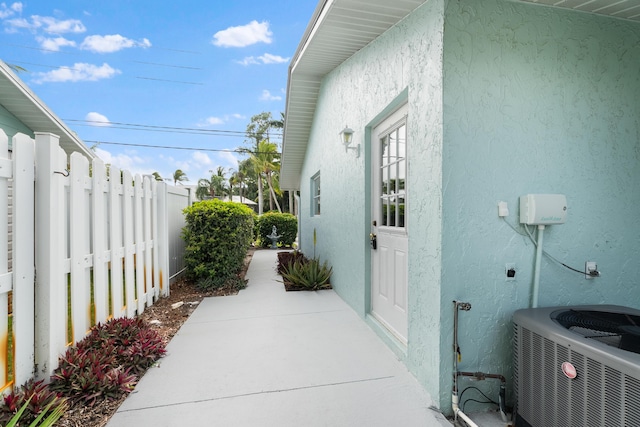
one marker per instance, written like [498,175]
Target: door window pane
[393,173]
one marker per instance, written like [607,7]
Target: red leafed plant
[107,361]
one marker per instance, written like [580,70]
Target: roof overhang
[337,30]
[340,28]
[20,101]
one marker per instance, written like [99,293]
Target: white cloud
[79,72]
[243,35]
[13,25]
[267,96]
[228,158]
[249,60]
[56,26]
[47,24]
[215,121]
[54,44]
[7,11]
[111,43]
[267,58]
[123,161]
[97,119]
[201,158]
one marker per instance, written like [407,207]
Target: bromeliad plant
[107,362]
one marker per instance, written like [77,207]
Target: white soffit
[339,29]
[623,9]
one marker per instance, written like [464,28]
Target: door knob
[374,241]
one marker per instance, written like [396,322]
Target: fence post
[50,305]
[162,239]
[23,257]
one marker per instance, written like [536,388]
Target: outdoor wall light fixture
[346,137]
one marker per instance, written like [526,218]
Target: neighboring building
[247,202]
[22,111]
[457,105]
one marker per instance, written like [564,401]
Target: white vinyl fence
[87,245]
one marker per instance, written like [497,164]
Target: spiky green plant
[310,274]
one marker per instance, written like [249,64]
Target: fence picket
[129,247]
[79,241]
[99,228]
[138,236]
[117,246]
[148,258]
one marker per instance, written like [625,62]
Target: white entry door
[389,254]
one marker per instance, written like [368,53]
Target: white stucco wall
[537,100]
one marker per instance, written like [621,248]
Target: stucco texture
[536,100]
[402,65]
[504,99]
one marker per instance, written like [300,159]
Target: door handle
[374,241]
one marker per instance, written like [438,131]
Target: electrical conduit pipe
[536,272]
[454,396]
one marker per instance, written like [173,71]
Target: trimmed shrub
[218,236]
[286,226]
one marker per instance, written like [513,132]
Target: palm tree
[211,188]
[157,176]
[265,162]
[179,176]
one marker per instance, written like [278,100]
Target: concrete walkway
[267,357]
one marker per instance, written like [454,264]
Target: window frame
[316,194]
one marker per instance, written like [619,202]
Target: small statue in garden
[274,237]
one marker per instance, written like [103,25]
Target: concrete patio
[267,357]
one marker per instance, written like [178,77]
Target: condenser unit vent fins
[605,392]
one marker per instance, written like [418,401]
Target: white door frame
[389,261]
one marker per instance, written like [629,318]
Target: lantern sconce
[346,137]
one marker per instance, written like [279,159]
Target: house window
[315,194]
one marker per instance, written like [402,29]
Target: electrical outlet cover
[588,267]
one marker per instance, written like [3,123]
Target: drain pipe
[536,272]
[456,354]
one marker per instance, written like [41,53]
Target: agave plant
[309,274]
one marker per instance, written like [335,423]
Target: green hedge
[218,236]
[286,226]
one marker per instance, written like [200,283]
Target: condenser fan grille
[615,329]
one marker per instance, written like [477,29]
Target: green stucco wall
[11,125]
[505,99]
[403,65]
[536,100]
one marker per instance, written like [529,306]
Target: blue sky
[119,71]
